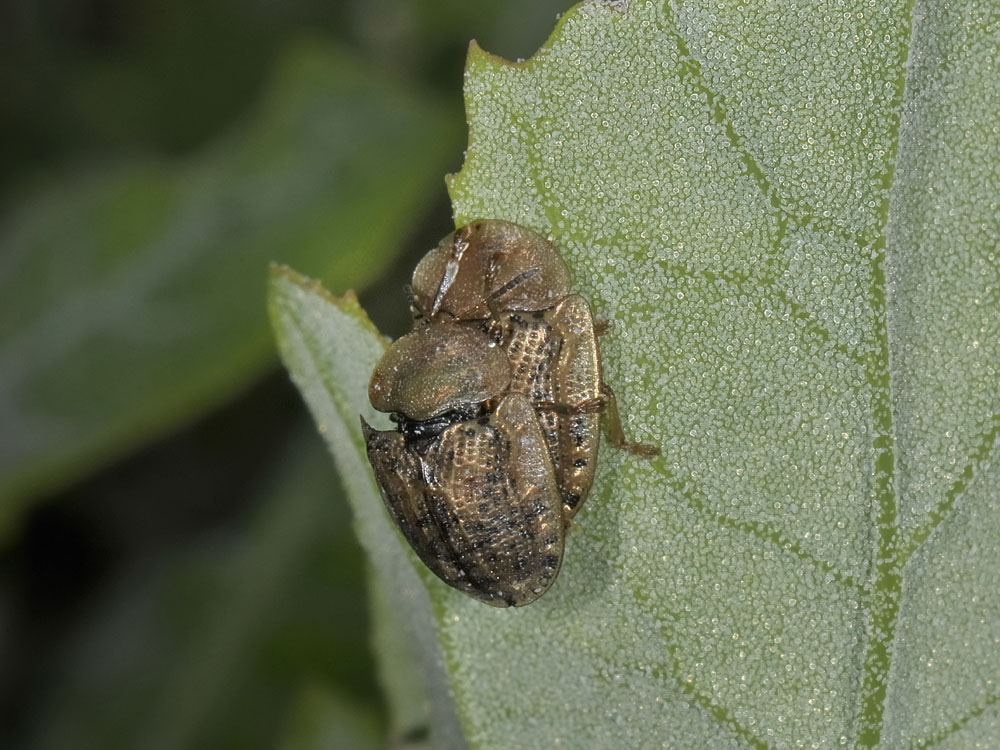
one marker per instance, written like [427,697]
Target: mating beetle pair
[497,396]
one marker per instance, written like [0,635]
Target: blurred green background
[177,567]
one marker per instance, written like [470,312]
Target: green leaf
[330,348]
[131,299]
[789,213]
[400,667]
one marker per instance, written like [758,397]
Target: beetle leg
[615,431]
[496,331]
[602,327]
[491,293]
[496,315]
[606,402]
[590,406]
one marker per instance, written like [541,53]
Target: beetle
[497,395]
[467,475]
[505,277]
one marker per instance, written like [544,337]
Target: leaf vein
[946,506]
[960,723]
[717,712]
[717,108]
[883,598]
[758,530]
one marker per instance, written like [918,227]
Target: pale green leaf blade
[131,300]
[330,347]
[944,333]
[399,667]
[811,337]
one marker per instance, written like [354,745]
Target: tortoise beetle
[497,395]
[467,475]
[505,277]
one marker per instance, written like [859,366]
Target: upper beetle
[513,282]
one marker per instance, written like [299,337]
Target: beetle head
[486,262]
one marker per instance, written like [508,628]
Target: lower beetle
[477,500]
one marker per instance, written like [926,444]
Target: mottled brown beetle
[467,475]
[501,275]
[497,396]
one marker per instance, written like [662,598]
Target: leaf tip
[477,57]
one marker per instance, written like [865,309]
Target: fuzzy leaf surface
[790,216]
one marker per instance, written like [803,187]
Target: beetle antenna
[515,282]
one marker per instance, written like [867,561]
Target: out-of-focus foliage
[207,646]
[82,78]
[323,720]
[144,277]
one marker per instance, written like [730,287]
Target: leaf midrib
[881,597]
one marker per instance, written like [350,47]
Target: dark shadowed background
[177,567]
